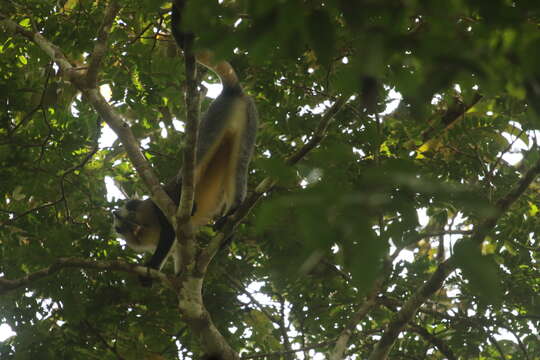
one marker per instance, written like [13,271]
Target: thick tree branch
[185,232]
[191,305]
[435,282]
[7,285]
[49,48]
[123,130]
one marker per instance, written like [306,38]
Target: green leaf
[480,270]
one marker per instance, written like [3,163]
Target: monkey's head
[136,222]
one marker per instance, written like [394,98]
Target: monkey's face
[135,222]
[125,221]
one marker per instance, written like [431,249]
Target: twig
[80,165]
[23,214]
[499,159]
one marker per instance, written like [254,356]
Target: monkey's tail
[222,68]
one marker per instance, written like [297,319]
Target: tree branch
[191,305]
[450,117]
[319,133]
[186,236]
[239,286]
[434,283]
[49,48]
[7,285]
[438,343]
[338,351]
[105,343]
[77,76]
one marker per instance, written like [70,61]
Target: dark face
[125,218]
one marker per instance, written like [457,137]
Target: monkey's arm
[166,241]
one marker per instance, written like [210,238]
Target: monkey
[225,145]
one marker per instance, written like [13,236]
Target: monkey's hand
[220,223]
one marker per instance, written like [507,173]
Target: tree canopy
[393,203]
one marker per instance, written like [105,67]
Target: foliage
[374,209]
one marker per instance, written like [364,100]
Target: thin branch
[7,285]
[497,346]
[283,328]
[87,158]
[38,106]
[506,150]
[427,235]
[239,286]
[434,283]
[438,343]
[103,340]
[100,47]
[338,351]
[454,112]
[140,35]
[27,212]
[319,133]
